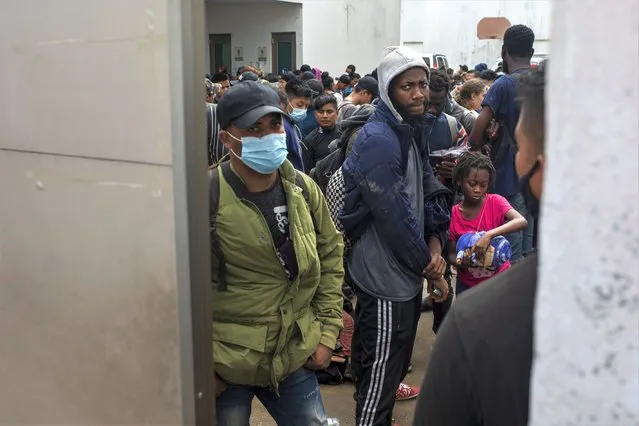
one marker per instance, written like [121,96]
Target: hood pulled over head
[396,60]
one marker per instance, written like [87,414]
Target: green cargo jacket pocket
[239,353]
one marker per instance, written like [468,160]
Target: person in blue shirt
[500,105]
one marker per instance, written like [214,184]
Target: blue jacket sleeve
[293,146]
[377,172]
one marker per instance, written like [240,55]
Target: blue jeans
[299,402]
[520,238]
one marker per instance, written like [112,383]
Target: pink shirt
[492,215]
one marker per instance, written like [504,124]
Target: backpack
[452,126]
[218,263]
[325,168]
[465,114]
[335,197]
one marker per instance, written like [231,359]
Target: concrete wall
[586,368]
[251,25]
[450,27]
[90,326]
[342,32]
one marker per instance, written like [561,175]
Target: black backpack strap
[210,129]
[299,181]
[218,264]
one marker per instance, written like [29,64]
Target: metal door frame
[186,43]
[212,67]
[275,65]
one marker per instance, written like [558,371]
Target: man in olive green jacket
[277,307]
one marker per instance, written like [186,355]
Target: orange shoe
[405,392]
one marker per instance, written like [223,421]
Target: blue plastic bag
[497,253]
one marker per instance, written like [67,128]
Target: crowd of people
[342,208]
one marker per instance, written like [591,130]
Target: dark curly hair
[518,41]
[439,80]
[473,160]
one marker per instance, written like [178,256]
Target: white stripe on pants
[382,352]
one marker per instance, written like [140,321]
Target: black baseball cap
[246,76]
[368,83]
[244,104]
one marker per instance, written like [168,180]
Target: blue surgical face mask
[264,155]
[298,114]
[348,90]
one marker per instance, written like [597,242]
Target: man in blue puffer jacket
[399,233]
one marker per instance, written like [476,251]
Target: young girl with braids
[479,211]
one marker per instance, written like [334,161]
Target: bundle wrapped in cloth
[497,253]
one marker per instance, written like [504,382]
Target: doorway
[219,51]
[284,52]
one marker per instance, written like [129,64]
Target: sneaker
[405,392]
[348,372]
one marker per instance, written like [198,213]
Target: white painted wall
[450,27]
[342,32]
[586,369]
[251,25]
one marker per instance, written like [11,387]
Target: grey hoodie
[396,60]
[372,264]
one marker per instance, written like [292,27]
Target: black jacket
[348,129]
[315,146]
